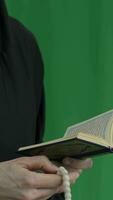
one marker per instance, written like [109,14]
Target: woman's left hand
[75,167]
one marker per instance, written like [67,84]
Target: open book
[91,137]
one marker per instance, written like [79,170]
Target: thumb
[37,163]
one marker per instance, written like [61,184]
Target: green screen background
[76,41]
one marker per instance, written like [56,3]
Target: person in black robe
[22,112]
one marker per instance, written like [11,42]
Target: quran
[91,137]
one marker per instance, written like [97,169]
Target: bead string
[66,182]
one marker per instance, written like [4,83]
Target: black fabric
[21,87]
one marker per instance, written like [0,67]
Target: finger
[69,169]
[37,194]
[74,176]
[41,180]
[60,189]
[78,164]
[73,173]
[37,162]
[47,197]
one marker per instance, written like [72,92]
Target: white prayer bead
[66,182]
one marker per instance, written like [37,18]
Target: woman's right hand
[19,181]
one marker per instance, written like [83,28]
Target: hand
[19,181]
[75,168]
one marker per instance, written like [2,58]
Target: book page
[100,126]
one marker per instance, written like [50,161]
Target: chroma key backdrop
[76,41]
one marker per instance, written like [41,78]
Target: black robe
[21,88]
